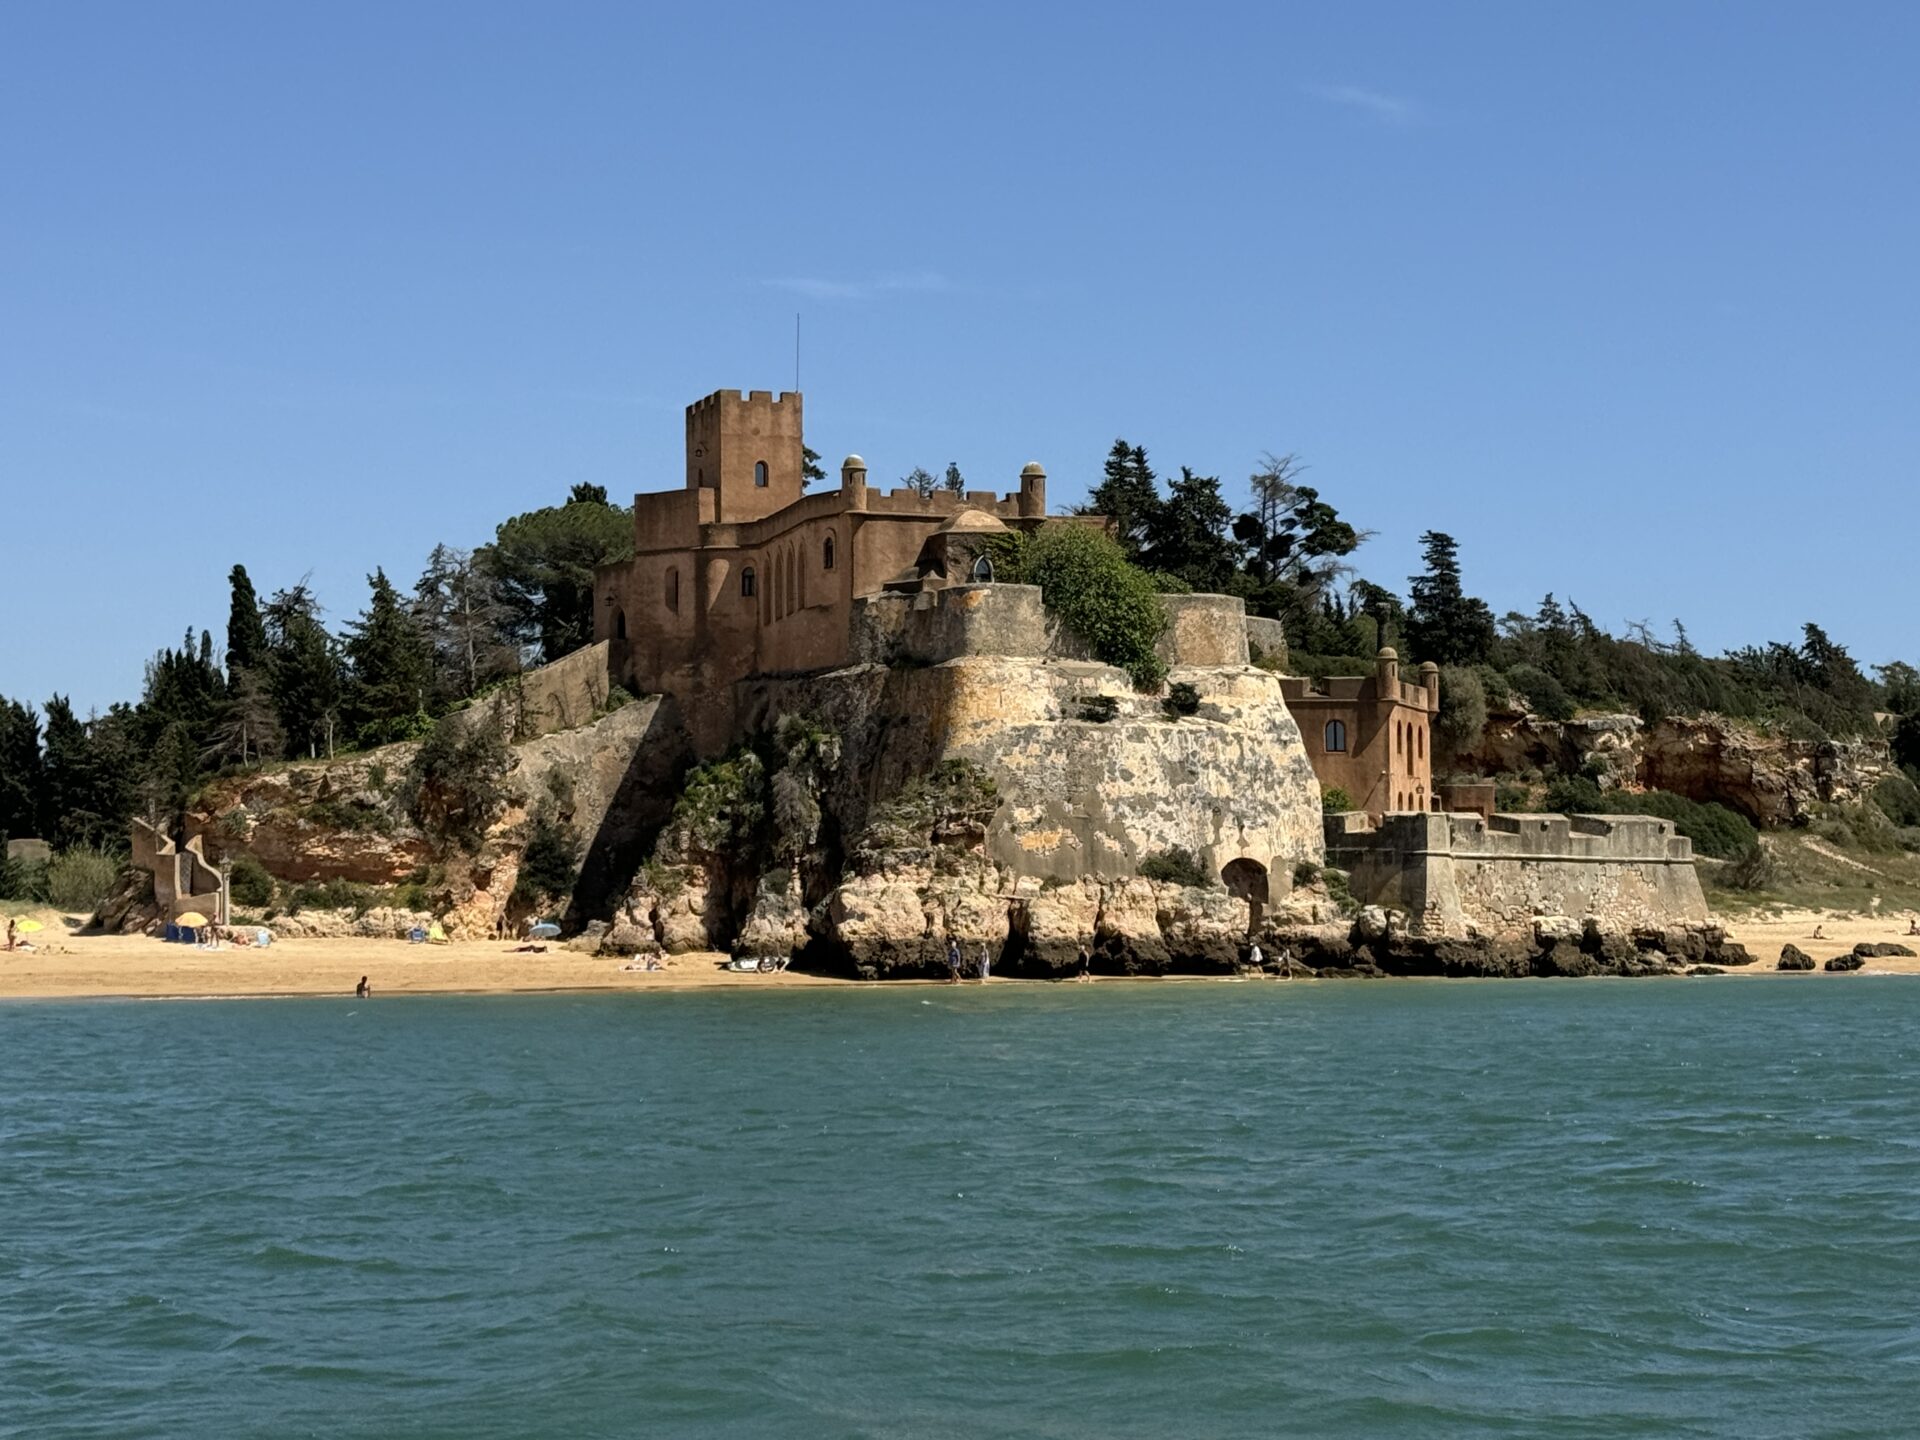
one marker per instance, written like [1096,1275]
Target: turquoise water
[1562,1208]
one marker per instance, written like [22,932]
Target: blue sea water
[1544,1209]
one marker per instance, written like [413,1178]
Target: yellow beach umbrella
[193,920]
[27,927]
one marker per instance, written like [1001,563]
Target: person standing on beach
[986,963]
[362,990]
[1085,977]
[12,932]
[953,961]
[1254,957]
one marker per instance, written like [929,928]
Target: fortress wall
[1452,872]
[1266,640]
[1205,630]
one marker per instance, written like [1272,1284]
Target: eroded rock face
[612,780]
[1772,780]
[1360,951]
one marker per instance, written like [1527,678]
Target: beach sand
[69,965]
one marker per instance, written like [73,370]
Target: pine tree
[810,467]
[542,565]
[953,482]
[1129,496]
[920,480]
[303,672]
[390,668]
[1446,625]
[460,615]
[90,774]
[21,775]
[246,634]
[1188,534]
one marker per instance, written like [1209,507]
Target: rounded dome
[1033,467]
[1387,652]
[973,522]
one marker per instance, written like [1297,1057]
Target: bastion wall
[1455,874]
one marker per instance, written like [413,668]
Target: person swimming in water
[362,990]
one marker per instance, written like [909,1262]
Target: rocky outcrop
[1843,963]
[1772,780]
[1366,949]
[1792,957]
[612,780]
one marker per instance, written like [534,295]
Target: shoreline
[70,966]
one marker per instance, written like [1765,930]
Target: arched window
[826,553]
[1399,737]
[619,624]
[1420,743]
[673,589]
[1336,735]
[746,583]
[760,474]
[793,581]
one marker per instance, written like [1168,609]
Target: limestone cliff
[1012,804]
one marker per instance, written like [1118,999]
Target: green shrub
[249,883]
[618,696]
[1335,801]
[1513,799]
[456,783]
[550,864]
[393,729]
[1751,869]
[1339,891]
[942,812]
[1545,694]
[1176,866]
[1305,873]
[1085,578]
[1165,583]
[1463,711]
[80,878]
[1898,799]
[1097,708]
[1182,699]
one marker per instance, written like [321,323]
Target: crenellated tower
[747,450]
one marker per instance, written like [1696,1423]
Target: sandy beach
[66,965]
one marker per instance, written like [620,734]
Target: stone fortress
[745,594]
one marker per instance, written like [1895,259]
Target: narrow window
[760,473]
[619,624]
[1420,743]
[826,553]
[673,589]
[1336,735]
[746,582]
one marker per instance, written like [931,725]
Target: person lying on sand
[529,949]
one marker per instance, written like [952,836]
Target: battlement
[721,401]
[1353,690]
[1452,873]
[1636,839]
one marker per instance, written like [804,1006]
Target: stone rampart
[1204,630]
[1267,642]
[1455,874]
[996,621]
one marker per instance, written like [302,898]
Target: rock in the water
[1846,962]
[1706,970]
[1792,957]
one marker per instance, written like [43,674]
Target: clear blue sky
[1621,295]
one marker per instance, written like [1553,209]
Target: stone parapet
[1456,874]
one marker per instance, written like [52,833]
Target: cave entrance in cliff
[1247,880]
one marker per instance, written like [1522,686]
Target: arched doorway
[1247,880]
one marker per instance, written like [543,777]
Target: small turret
[1033,491]
[853,482]
[1430,682]
[1386,672]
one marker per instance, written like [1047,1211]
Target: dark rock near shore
[1792,957]
[1846,962]
[1706,970]
[1867,950]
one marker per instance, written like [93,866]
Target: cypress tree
[246,632]
[1129,496]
